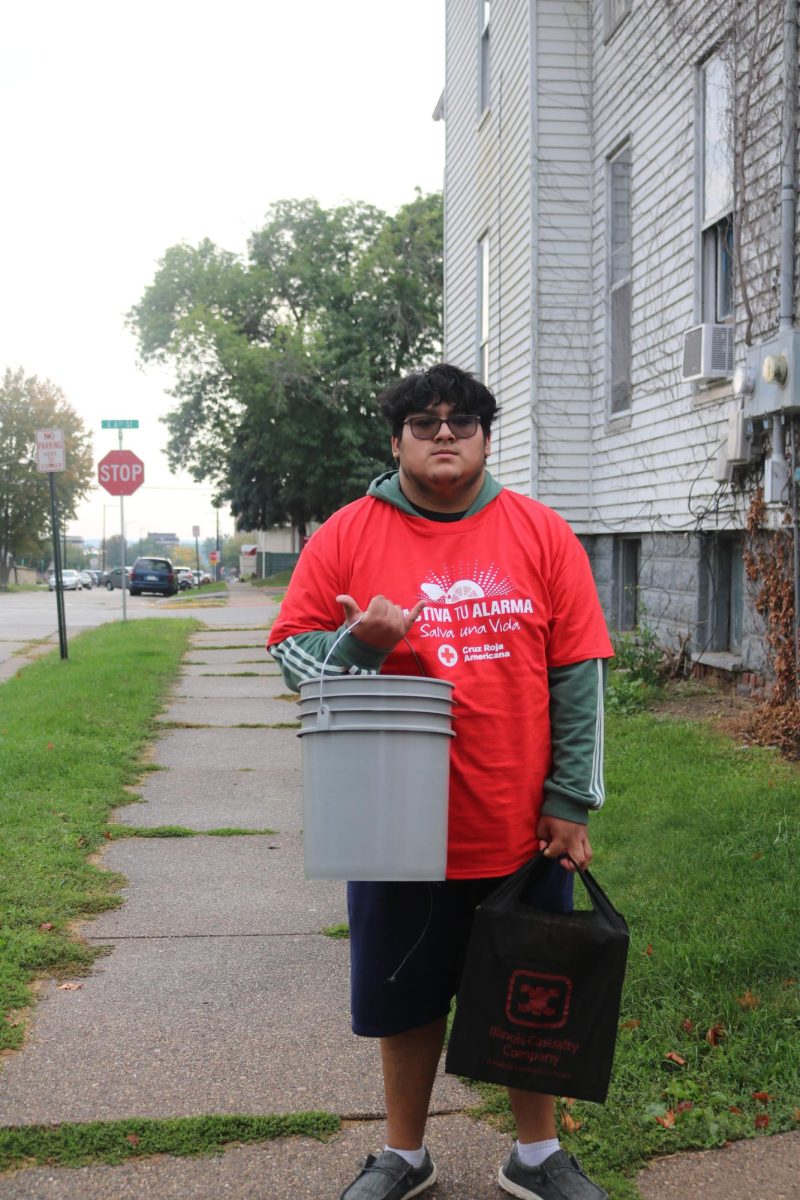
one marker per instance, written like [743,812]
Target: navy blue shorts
[408,942]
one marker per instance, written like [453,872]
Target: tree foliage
[28,404]
[278,357]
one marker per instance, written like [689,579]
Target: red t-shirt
[510,593]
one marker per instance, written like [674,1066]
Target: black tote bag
[539,998]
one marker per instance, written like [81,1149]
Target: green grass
[279,579]
[138,1137]
[203,594]
[698,849]
[338,932]
[71,738]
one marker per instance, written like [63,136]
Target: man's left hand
[558,838]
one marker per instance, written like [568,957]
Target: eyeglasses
[461,425]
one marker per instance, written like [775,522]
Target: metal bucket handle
[324,712]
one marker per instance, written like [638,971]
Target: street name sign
[50,454]
[121,472]
[120,424]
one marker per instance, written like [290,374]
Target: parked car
[97,577]
[113,579]
[153,575]
[71,581]
[184,577]
[201,577]
[86,579]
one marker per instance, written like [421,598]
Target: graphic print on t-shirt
[466,582]
[473,606]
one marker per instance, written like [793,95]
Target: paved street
[29,621]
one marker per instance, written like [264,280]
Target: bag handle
[510,892]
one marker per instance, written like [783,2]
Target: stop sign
[120,472]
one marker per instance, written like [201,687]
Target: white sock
[415,1157]
[533,1154]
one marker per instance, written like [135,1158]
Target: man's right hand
[381,624]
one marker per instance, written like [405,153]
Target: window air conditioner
[708,352]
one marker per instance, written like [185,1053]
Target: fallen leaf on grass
[714,1034]
[649,951]
[668,1119]
[108,835]
[685,1105]
[69,987]
[676,1058]
[755,857]
[687,1025]
[734,1108]
[632,1024]
[570,1123]
[133,1138]
[797,1115]
[761,1121]
[789,982]
[50,746]
[46,926]
[748,1000]
[764,1097]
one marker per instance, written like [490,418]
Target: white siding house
[613,181]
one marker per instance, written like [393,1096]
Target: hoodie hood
[387,487]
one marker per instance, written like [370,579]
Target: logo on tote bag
[538,1000]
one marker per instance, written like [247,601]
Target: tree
[28,404]
[278,358]
[232,549]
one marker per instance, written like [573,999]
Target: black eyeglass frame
[458,417]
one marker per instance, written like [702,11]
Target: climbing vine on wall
[768,563]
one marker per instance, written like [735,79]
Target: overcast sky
[129,128]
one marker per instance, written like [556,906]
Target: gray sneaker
[560,1177]
[390,1177]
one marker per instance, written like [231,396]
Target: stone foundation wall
[674,599]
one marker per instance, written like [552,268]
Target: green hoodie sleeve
[575,785]
[302,656]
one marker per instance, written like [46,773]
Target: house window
[724,599]
[627,552]
[483,310]
[615,14]
[619,279]
[716,229]
[484,77]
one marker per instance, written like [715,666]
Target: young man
[493,591]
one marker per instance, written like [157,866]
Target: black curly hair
[442,384]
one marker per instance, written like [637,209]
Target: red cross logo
[448,656]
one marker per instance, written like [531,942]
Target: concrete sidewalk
[223,993]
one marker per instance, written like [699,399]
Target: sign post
[196,535]
[50,458]
[121,473]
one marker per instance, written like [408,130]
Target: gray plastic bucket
[376,774]
[385,701]
[390,686]
[372,718]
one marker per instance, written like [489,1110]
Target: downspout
[786,317]
[533,182]
[788,164]
[500,230]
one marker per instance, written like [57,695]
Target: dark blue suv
[153,575]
